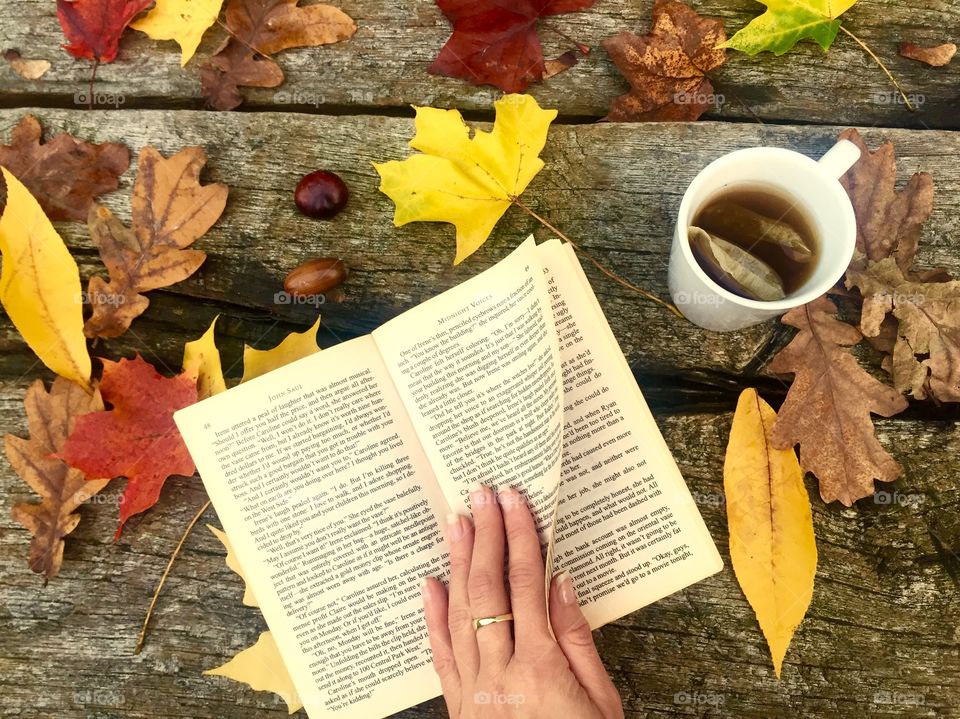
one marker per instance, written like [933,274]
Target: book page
[478,370]
[325,493]
[628,530]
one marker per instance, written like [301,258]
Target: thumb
[576,641]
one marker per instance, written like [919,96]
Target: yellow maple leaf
[40,286]
[772,545]
[182,20]
[296,346]
[202,359]
[259,666]
[467,181]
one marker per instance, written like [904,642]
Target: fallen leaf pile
[260,29]
[667,68]
[136,437]
[50,417]
[467,181]
[496,43]
[171,209]
[772,546]
[910,315]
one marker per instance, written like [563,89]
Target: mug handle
[840,158]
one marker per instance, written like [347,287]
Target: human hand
[516,668]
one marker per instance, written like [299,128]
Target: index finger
[525,570]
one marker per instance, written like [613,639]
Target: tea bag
[748,229]
[735,269]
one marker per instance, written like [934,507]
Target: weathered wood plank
[614,188]
[882,628]
[385,66]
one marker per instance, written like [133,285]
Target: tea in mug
[755,241]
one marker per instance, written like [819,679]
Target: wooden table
[881,636]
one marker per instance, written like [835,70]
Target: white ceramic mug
[814,185]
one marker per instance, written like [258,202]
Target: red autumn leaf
[137,437]
[496,43]
[93,27]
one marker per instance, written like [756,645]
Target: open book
[332,475]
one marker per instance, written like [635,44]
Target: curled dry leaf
[772,546]
[171,210]
[934,56]
[496,43]
[64,174]
[93,27]
[50,418]
[889,221]
[259,29]
[926,353]
[27,69]
[667,67]
[827,410]
[136,438]
[40,285]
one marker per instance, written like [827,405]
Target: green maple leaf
[786,22]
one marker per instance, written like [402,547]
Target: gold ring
[484,621]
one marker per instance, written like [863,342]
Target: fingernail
[478,494]
[568,595]
[454,527]
[425,590]
[510,498]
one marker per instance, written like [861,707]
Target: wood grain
[383,68]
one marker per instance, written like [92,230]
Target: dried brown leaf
[934,56]
[27,69]
[827,410]
[64,174]
[889,221]
[667,67]
[926,353]
[260,28]
[171,210]
[50,418]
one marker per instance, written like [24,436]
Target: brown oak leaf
[925,360]
[667,67]
[261,28]
[171,210]
[934,56]
[62,489]
[827,410]
[64,174]
[889,221]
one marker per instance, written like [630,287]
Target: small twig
[883,67]
[609,273]
[163,579]
[93,77]
[584,49]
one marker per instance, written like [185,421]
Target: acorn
[314,277]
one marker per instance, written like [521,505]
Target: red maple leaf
[137,437]
[93,27]
[495,42]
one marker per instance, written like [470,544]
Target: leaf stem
[609,273]
[584,49]
[883,67]
[163,579]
